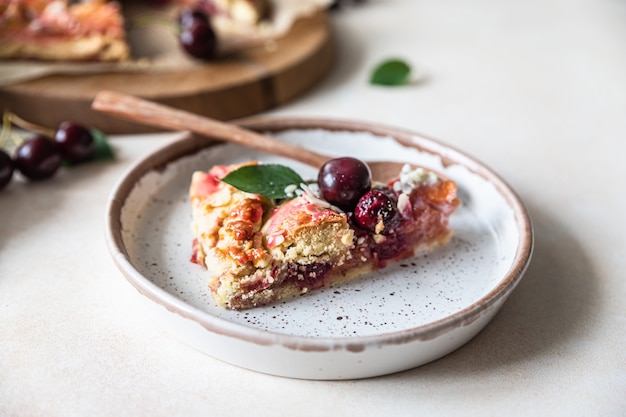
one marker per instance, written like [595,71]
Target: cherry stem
[12,118]
[9,139]
[5,133]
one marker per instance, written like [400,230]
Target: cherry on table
[342,181]
[6,169]
[75,142]
[37,158]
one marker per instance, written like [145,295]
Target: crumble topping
[408,180]
[411,179]
[311,194]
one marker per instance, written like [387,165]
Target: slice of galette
[258,250]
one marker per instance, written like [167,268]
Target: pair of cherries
[347,183]
[39,157]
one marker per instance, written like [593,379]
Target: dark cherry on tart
[259,250]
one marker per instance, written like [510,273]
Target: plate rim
[190,144]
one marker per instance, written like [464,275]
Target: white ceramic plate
[401,317]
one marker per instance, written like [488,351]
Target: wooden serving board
[247,83]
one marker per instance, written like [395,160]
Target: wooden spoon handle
[159,115]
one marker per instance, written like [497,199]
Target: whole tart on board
[248,82]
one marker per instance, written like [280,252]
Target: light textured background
[535,89]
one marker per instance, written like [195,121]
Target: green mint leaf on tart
[393,72]
[103,149]
[269,180]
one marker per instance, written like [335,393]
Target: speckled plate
[398,318]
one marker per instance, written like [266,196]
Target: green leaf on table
[269,180]
[103,149]
[393,72]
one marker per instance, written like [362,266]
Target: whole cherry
[342,181]
[37,158]
[375,211]
[75,142]
[197,35]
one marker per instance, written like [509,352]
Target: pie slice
[257,251]
[59,30]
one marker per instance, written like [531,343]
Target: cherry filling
[309,276]
[394,246]
[423,218]
[376,211]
